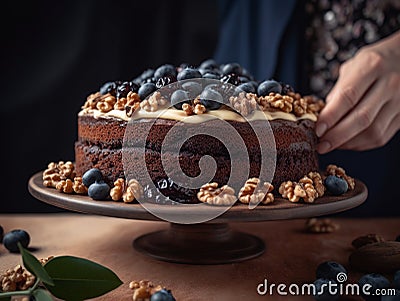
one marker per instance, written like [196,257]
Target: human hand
[363,108]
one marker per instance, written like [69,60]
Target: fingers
[356,77]
[357,120]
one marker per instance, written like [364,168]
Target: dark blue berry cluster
[232,73]
[97,188]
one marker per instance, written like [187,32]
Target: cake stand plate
[206,243]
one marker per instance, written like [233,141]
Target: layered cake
[147,108]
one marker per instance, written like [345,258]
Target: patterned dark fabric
[337,29]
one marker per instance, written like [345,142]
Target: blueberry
[212,75]
[208,65]
[91,176]
[164,81]
[395,297]
[123,89]
[329,270]
[232,79]
[246,87]
[108,87]
[162,295]
[247,74]
[189,73]
[376,281]
[151,80]
[269,86]
[1,233]
[232,68]
[336,185]
[193,88]
[396,280]
[178,98]
[12,238]
[243,79]
[134,86]
[146,89]
[99,190]
[165,70]
[211,99]
[149,73]
[286,88]
[324,289]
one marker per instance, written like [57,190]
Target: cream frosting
[174,114]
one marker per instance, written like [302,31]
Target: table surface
[292,254]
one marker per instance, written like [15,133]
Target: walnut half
[211,194]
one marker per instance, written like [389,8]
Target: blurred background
[56,53]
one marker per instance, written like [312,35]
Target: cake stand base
[208,243]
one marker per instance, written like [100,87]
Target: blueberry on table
[269,86]
[162,295]
[189,73]
[232,68]
[375,281]
[246,87]
[99,191]
[146,89]
[178,98]
[396,280]
[336,185]
[323,291]
[330,270]
[165,70]
[91,176]
[12,238]
[211,99]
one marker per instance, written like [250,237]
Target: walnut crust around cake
[100,143]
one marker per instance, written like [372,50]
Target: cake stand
[207,243]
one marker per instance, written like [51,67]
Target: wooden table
[292,254]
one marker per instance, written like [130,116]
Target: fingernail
[324,147]
[321,129]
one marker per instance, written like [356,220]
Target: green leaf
[78,279]
[42,295]
[33,265]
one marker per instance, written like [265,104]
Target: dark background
[54,54]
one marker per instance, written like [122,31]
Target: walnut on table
[143,289]
[211,194]
[325,225]
[250,193]
[16,279]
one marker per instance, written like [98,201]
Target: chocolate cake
[107,115]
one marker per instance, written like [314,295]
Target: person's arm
[363,109]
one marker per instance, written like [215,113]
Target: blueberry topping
[208,65]
[243,79]
[123,89]
[91,176]
[232,68]
[12,238]
[164,81]
[99,191]
[286,88]
[165,70]
[336,185]
[162,295]
[211,99]
[108,87]
[134,86]
[246,87]
[269,86]
[329,270]
[193,88]
[189,73]
[146,89]
[322,292]
[231,78]
[396,280]
[212,75]
[179,97]
[376,281]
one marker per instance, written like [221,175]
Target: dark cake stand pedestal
[205,243]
